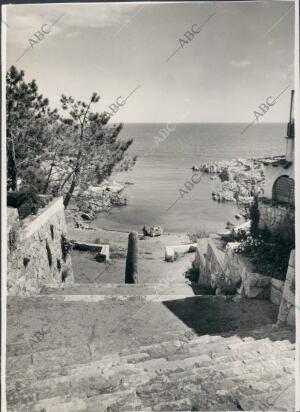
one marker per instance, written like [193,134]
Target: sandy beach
[152,265]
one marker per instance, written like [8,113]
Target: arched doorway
[284,190]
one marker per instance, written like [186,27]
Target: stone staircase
[146,291]
[146,347]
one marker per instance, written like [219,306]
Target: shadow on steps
[216,315]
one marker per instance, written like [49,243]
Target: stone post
[131,271]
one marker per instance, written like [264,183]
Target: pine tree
[94,148]
[29,121]
[48,152]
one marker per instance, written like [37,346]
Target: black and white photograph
[148,197]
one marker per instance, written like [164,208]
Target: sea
[156,190]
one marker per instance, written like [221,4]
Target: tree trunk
[66,180]
[71,190]
[12,166]
[50,173]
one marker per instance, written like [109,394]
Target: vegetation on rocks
[27,202]
[61,154]
[269,251]
[200,234]
[66,247]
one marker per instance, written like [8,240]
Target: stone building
[278,201]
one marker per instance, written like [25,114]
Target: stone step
[279,398]
[177,342]
[77,286]
[83,353]
[101,403]
[145,297]
[46,323]
[99,377]
[44,363]
[97,293]
[166,387]
[250,382]
[98,355]
[121,289]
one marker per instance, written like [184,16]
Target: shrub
[66,247]
[254,217]
[200,234]
[268,251]
[224,175]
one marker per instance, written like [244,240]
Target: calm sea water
[162,169]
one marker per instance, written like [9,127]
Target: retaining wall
[221,270]
[228,272]
[37,253]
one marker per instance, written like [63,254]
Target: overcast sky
[242,55]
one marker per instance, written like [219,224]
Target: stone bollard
[131,271]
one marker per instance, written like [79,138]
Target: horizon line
[168,122]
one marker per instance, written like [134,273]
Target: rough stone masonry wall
[287,307]
[214,269]
[274,216]
[230,273]
[36,254]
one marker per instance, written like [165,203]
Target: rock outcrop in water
[96,199]
[240,179]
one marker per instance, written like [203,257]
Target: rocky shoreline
[93,200]
[240,179]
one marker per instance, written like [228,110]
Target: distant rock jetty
[240,179]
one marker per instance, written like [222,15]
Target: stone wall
[276,291]
[230,273]
[209,262]
[199,263]
[287,307]
[224,271]
[37,253]
[274,216]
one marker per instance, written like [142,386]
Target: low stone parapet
[180,249]
[101,250]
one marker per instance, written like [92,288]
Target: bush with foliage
[199,234]
[269,251]
[224,175]
[254,217]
